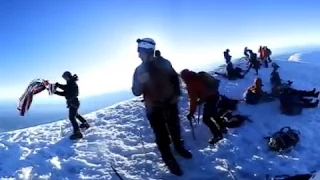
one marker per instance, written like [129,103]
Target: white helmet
[146,43]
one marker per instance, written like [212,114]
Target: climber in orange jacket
[200,91]
[255,94]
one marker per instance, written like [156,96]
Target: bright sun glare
[114,75]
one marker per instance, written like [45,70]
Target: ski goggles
[144,50]
[145,45]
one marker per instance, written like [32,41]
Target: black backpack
[283,139]
[209,81]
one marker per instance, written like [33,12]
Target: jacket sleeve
[137,87]
[193,100]
[60,93]
[61,86]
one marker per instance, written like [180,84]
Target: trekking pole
[229,170]
[143,147]
[192,130]
[199,111]
[115,171]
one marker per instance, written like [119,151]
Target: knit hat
[66,74]
[146,44]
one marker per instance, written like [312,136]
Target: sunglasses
[144,50]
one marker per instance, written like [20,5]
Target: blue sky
[96,39]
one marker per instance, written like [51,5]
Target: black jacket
[227,57]
[70,92]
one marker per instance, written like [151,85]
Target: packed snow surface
[121,136]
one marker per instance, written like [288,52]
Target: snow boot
[76,135]
[214,140]
[182,151]
[169,160]
[316,103]
[305,100]
[173,166]
[316,95]
[84,125]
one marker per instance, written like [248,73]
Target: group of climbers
[159,84]
[157,81]
[265,53]
[292,101]
[238,73]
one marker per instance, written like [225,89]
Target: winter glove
[199,102]
[190,116]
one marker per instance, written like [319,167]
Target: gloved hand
[199,102]
[190,116]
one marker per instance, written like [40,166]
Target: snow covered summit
[121,136]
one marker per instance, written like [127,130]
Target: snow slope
[121,137]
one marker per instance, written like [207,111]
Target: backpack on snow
[283,139]
[210,82]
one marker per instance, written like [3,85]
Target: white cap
[146,43]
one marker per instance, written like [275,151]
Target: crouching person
[293,101]
[204,88]
[255,94]
[159,84]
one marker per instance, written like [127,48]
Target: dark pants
[302,94]
[165,122]
[211,117]
[73,116]
[266,63]
[304,102]
[255,66]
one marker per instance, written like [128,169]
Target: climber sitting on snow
[255,94]
[277,83]
[292,101]
[232,73]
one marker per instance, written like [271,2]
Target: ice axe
[199,111]
[192,129]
